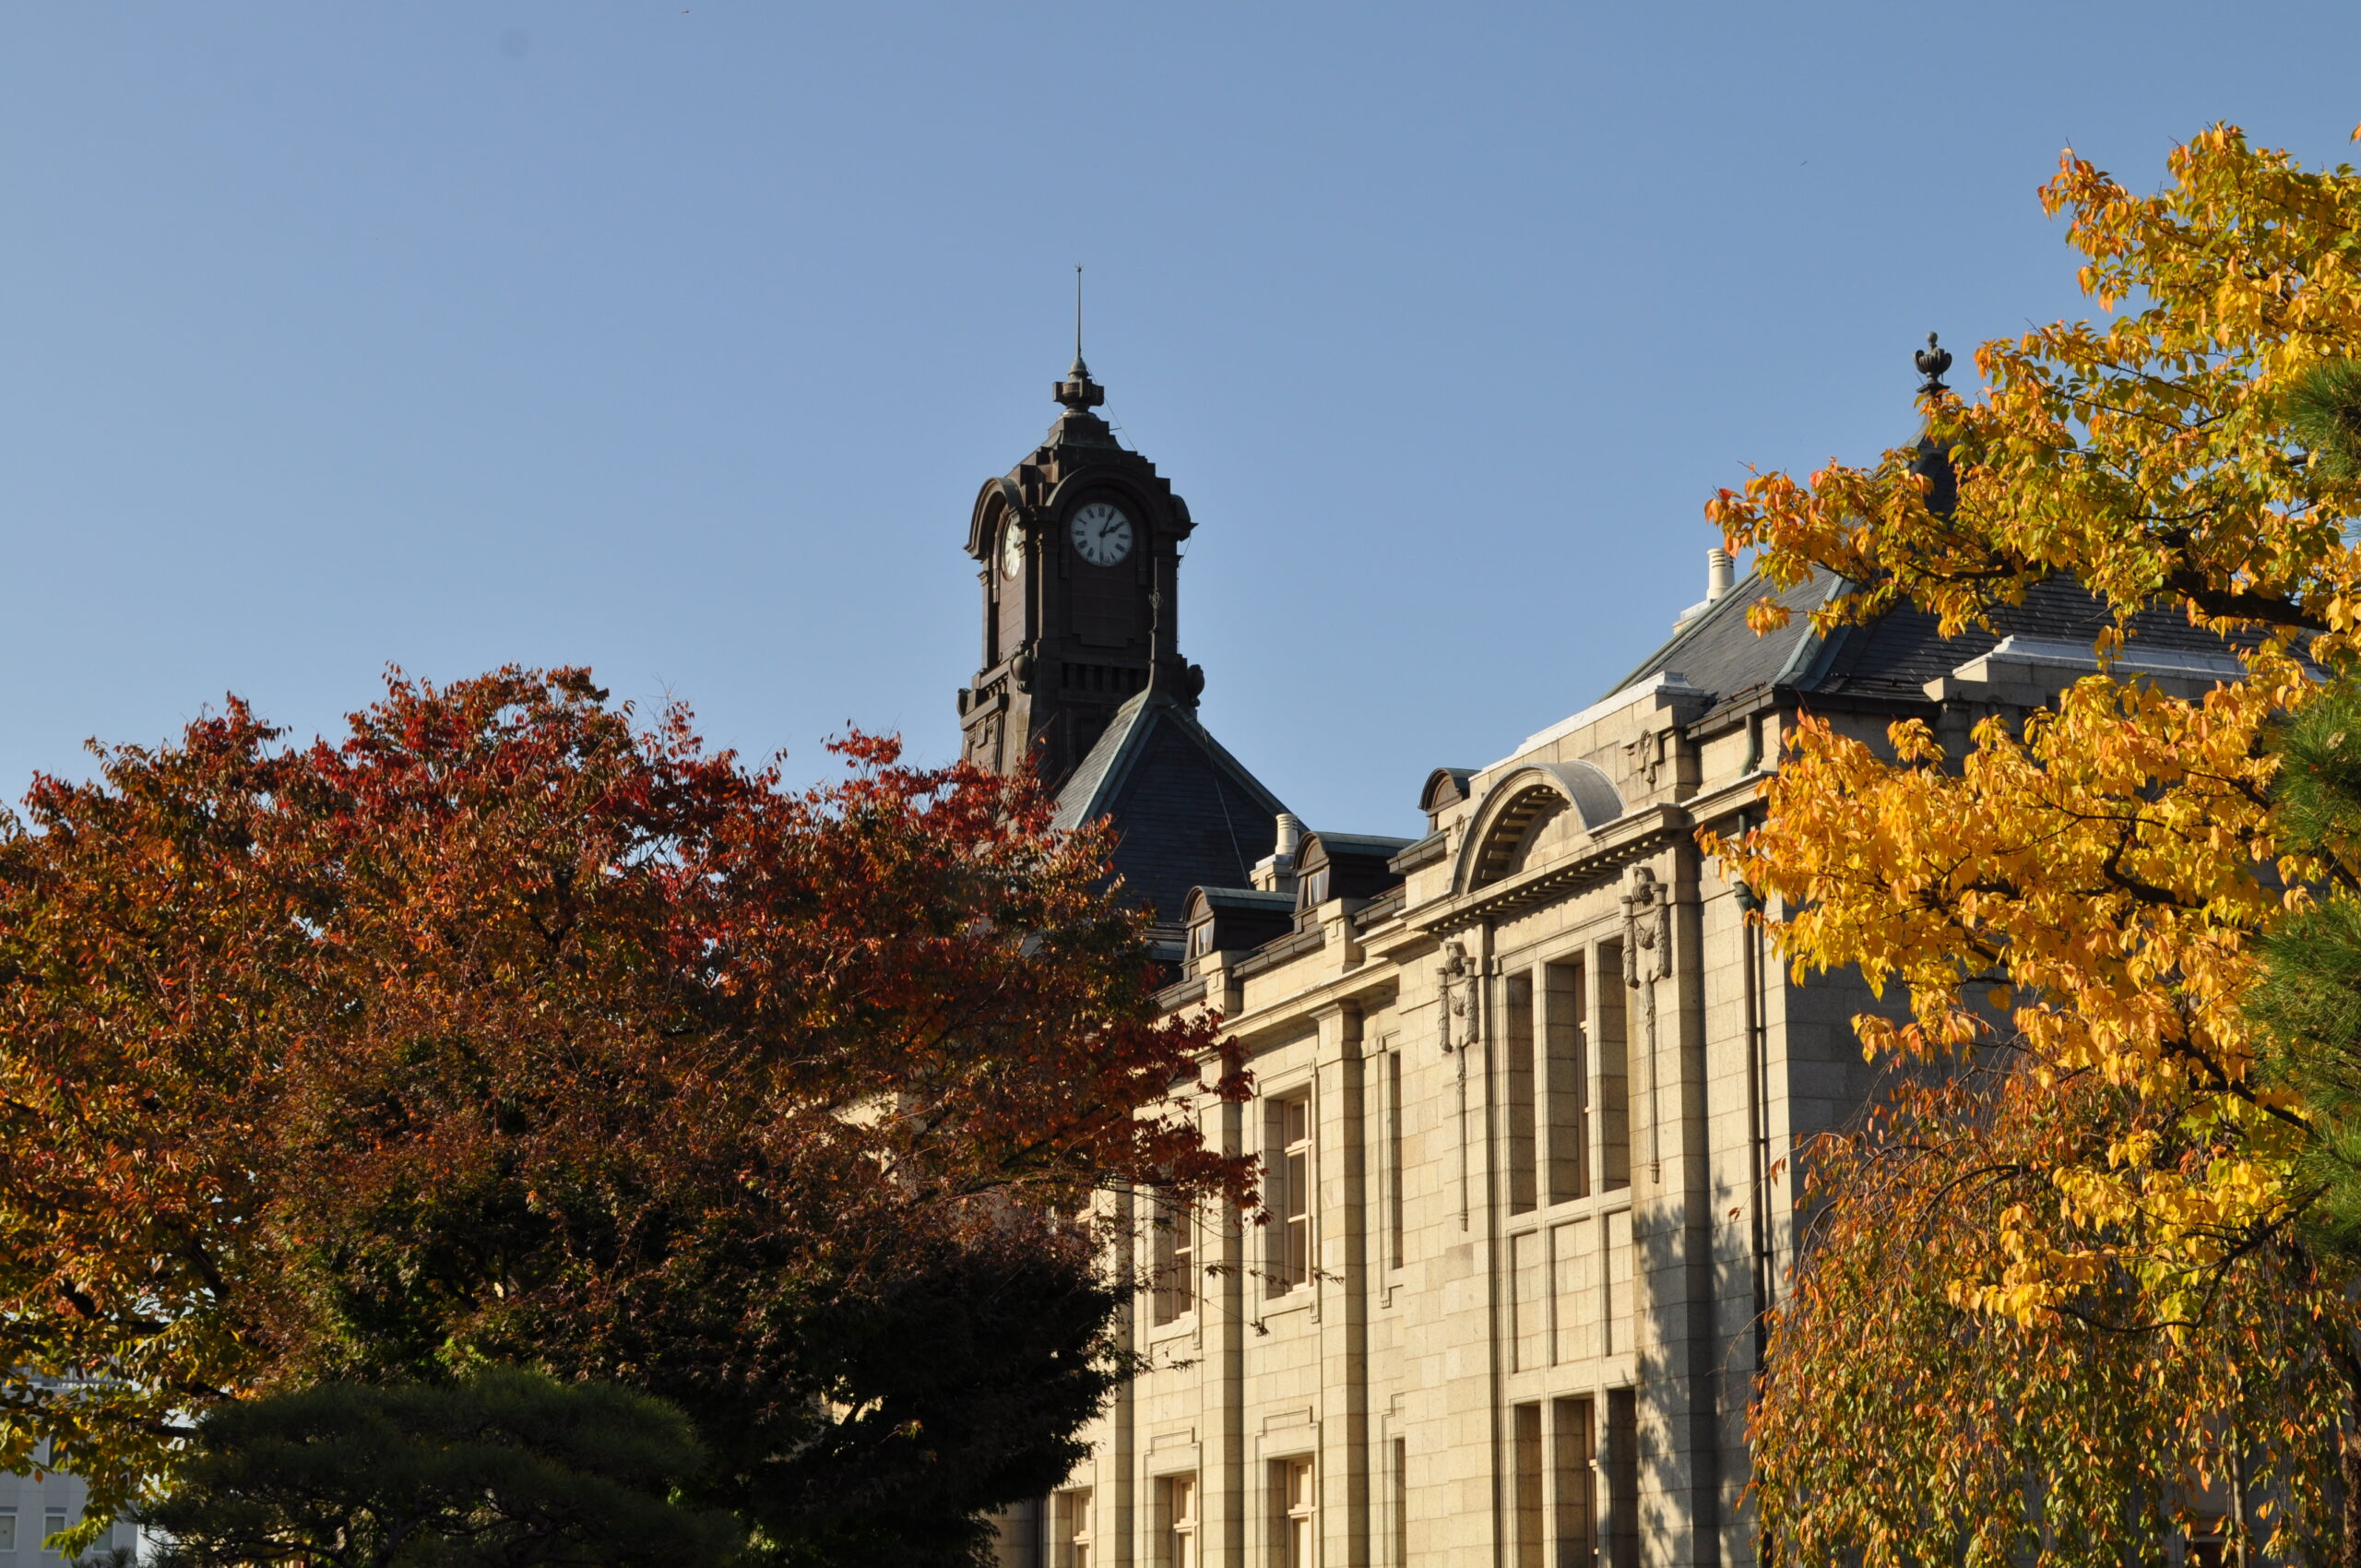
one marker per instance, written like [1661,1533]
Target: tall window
[1394,1159]
[1620,1468]
[1568,1083]
[51,1523]
[1401,1504]
[1525,1544]
[8,1531]
[1612,1114]
[1577,1483]
[1172,1257]
[1176,1501]
[1290,1168]
[1521,1183]
[1070,1530]
[1295,1514]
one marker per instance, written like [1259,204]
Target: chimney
[1717,584]
[1275,872]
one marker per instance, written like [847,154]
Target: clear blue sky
[674,339]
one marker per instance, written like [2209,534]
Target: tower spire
[1077,391]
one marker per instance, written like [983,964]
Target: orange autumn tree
[508,1031]
[2061,1303]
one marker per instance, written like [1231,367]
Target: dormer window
[1351,866]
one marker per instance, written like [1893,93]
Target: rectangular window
[1611,1116]
[1577,1531]
[1394,1159]
[1568,1086]
[1295,1514]
[1290,1165]
[1070,1530]
[1619,1465]
[1618,1333]
[51,1523]
[1176,1508]
[1519,1068]
[1172,1261]
[8,1531]
[1401,1503]
[1528,1302]
[1525,1525]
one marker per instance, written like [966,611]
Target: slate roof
[1186,813]
[1251,900]
[1891,659]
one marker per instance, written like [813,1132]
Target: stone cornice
[1615,845]
[1289,1013]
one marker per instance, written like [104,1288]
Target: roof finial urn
[1932,360]
[1932,462]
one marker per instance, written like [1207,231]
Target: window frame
[1291,1165]
[1178,1503]
[1172,1262]
[1295,1511]
[1070,1520]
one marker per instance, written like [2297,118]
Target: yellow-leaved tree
[2061,1303]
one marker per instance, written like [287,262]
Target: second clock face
[1012,549]
[1101,534]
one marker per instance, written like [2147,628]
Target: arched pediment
[1521,806]
[998,498]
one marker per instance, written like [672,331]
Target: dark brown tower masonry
[1079,547]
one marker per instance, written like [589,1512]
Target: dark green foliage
[980,1358]
[858,1405]
[2308,1007]
[2324,408]
[503,1470]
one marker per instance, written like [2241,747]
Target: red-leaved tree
[507,1031]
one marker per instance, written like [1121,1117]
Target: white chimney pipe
[1274,873]
[1291,834]
[1717,573]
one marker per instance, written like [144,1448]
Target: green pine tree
[2309,1005]
[503,1470]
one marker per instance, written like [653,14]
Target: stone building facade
[1529,1092]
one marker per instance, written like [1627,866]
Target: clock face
[1012,551]
[1101,534]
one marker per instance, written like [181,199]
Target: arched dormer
[1445,788]
[1519,808]
[1344,865]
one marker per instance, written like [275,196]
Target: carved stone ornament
[1647,957]
[1646,752]
[1647,929]
[1456,984]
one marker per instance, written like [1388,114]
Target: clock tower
[1080,549]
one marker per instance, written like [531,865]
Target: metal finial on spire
[1077,391]
[1932,360]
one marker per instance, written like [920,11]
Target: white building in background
[38,1504]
